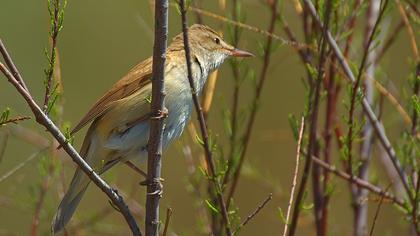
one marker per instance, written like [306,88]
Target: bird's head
[209,47]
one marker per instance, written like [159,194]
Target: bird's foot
[161,114]
[156,184]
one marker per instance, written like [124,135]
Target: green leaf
[199,140]
[294,124]
[416,104]
[5,115]
[282,216]
[308,206]
[212,207]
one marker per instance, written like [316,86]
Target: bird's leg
[152,182]
[136,169]
[144,174]
[156,181]
[162,114]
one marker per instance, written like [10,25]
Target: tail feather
[70,201]
[78,185]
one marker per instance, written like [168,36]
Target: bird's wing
[137,78]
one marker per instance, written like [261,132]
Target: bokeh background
[100,42]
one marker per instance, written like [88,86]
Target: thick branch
[202,122]
[154,163]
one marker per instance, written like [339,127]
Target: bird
[119,129]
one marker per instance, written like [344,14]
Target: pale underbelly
[132,145]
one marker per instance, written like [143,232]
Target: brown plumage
[120,118]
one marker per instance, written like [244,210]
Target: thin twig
[235,98]
[202,122]
[196,183]
[269,34]
[303,54]
[356,88]
[255,102]
[333,89]
[359,182]
[136,169]
[360,206]
[167,220]
[375,218]
[295,175]
[44,186]
[254,213]
[390,41]
[99,215]
[45,121]
[20,165]
[154,162]
[313,149]
[413,7]
[312,144]
[15,120]
[56,24]
[416,90]
[410,31]
[414,212]
[351,25]
[380,132]
[391,98]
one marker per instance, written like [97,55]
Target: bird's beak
[240,53]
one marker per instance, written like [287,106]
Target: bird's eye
[217,40]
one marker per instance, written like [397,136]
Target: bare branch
[154,162]
[380,132]
[56,15]
[254,213]
[168,219]
[375,218]
[20,165]
[255,102]
[15,120]
[359,182]
[202,122]
[45,121]
[295,175]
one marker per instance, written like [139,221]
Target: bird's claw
[154,182]
[161,114]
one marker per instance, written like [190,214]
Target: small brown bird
[120,119]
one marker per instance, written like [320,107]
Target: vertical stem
[361,207]
[154,186]
[312,145]
[313,149]
[377,126]
[235,97]
[416,88]
[55,28]
[330,121]
[295,175]
[256,100]
[202,122]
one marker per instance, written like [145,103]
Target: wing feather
[137,78]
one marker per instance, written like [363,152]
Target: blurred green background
[100,42]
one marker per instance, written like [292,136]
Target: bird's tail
[70,201]
[78,184]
